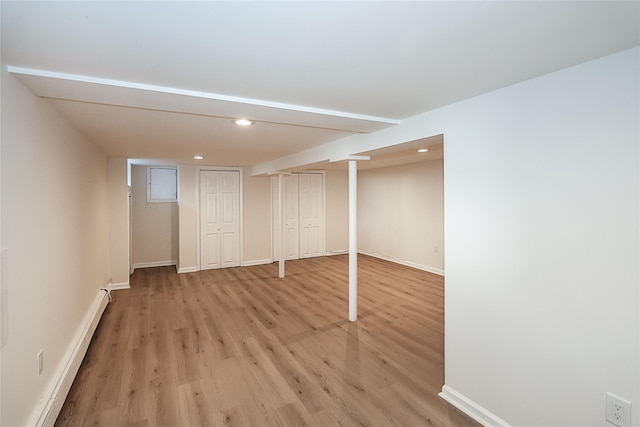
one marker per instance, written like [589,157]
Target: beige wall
[118,222]
[401,214]
[55,229]
[257,219]
[154,225]
[187,219]
[337,210]
[256,229]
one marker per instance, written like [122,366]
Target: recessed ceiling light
[243,122]
[423,150]
[198,157]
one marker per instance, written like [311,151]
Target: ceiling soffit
[62,86]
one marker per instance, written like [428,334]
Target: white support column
[281,201]
[353,241]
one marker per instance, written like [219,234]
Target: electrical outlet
[40,361]
[435,248]
[618,411]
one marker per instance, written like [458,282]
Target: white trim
[437,271]
[118,286]
[48,409]
[154,264]
[257,262]
[338,252]
[187,270]
[471,408]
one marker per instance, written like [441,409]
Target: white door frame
[198,209]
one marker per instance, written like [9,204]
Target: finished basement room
[320,213]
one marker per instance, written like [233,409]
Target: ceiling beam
[96,90]
[345,158]
[425,125]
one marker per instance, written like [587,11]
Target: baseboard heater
[47,411]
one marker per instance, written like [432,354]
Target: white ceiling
[161,80]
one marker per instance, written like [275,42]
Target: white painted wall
[542,228]
[337,211]
[55,226]
[401,214]
[118,222]
[542,196]
[3,284]
[154,225]
[187,219]
[257,219]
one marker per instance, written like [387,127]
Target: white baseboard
[48,409]
[257,262]
[188,270]
[116,286]
[154,264]
[471,408]
[403,262]
[437,271]
[339,252]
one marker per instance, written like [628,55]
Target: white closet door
[304,216]
[219,219]
[290,215]
[311,215]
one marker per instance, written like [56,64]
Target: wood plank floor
[240,347]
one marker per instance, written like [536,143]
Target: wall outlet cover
[618,411]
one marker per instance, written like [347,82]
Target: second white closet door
[311,222]
[304,216]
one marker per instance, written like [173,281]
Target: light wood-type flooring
[241,347]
